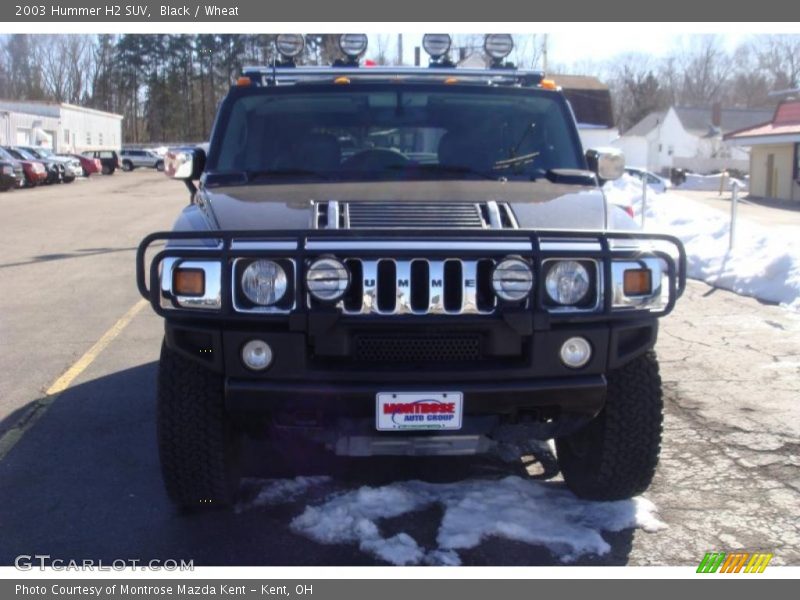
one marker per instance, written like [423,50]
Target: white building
[689,138]
[60,126]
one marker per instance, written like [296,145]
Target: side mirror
[607,163]
[184,163]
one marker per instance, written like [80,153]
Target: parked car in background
[19,171]
[89,166]
[34,172]
[8,178]
[69,169]
[109,160]
[137,157]
[53,170]
[654,182]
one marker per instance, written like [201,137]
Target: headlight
[512,279]
[290,44]
[436,44]
[567,282]
[327,279]
[498,45]
[353,44]
[264,282]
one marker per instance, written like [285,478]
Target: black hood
[536,205]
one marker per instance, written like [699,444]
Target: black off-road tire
[199,447]
[615,456]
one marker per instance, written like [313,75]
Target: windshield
[387,133]
[24,154]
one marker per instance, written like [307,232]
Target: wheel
[69,178]
[199,447]
[127,165]
[615,455]
[106,170]
[160,165]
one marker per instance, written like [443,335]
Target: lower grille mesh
[418,348]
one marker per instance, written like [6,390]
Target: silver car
[131,158]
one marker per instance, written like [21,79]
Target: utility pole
[399,48]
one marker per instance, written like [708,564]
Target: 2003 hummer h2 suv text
[408,261]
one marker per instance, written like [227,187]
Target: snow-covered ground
[535,512]
[764,262]
[708,183]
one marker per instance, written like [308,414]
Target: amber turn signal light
[637,282]
[189,282]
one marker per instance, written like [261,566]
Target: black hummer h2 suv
[405,261]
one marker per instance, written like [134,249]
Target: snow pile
[708,183]
[764,263]
[539,513]
[279,491]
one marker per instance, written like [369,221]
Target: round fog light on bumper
[575,352]
[257,355]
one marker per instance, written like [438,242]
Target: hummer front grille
[419,286]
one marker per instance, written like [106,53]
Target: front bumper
[532,384]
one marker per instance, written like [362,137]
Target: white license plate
[406,411]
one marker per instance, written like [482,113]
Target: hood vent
[333,214]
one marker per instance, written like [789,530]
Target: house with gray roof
[689,138]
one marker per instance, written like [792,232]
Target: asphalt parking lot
[79,472]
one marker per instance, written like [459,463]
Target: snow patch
[514,508]
[709,183]
[280,491]
[764,262]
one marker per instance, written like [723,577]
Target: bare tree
[528,50]
[704,68]
[381,44]
[779,55]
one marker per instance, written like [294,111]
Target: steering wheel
[376,159]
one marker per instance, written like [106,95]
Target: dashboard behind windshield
[393,133]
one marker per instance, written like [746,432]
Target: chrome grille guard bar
[299,245]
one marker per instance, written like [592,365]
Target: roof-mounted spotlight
[290,46]
[353,45]
[497,46]
[437,45]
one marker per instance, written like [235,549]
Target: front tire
[199,447]
[615,456]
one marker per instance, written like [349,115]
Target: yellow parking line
[84,361]
[13,435]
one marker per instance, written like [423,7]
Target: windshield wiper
[522,159]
